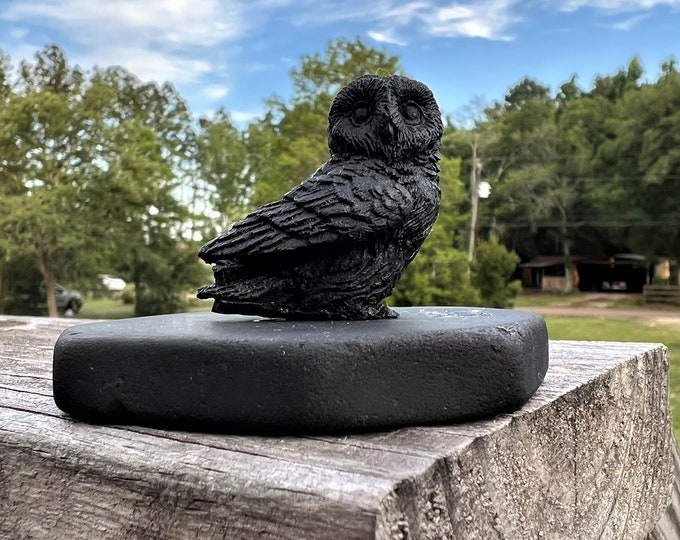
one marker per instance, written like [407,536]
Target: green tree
[146,129]
[543,154]
[226,164]
[523,146]
[47,155]
[614,87]
[492,272]
[640,165]
[319,77]
[90,169]
[297,146]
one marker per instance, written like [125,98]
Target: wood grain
[668,527]
[590,456]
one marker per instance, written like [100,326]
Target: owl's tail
[238,289]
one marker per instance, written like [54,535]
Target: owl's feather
[344,200]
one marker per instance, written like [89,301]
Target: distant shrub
[128,294]
[436,277]
[492,272]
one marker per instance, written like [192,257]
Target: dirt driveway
[605,305]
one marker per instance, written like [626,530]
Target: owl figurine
[335,246]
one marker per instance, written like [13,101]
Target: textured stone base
[204,371]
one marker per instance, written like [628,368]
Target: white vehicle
[112,283]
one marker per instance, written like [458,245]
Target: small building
[548,273]
[624,272]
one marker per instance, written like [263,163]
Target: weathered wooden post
[589,456]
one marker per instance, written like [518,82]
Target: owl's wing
[333,205]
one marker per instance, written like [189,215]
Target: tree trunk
[566,251]
[138,295]
[49,279]
[137,280]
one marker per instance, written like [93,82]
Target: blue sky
[236,53]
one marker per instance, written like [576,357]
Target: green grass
[114,308]
[610,329]
[105,308]
[636,301]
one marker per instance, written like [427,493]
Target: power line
[578,224]
[612,178]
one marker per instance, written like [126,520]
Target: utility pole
[474,199]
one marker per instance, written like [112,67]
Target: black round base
[204,371]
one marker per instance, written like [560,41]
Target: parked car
[68,302]
[32,300]
[112,283]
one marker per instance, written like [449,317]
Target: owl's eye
[412,112]
[360,113]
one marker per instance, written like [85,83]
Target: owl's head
[392,118]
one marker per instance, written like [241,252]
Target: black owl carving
[334,246]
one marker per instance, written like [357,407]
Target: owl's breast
[426,196]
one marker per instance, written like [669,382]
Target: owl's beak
[388,132]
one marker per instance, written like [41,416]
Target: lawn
[114,308]
[105,308]
[614,329]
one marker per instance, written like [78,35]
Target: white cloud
[195,22]
[401,11]
[619,6]
[488,19]
[17,34]
[215,91]
[630,22]
[244,117]
[454,12]
[157,66]
[385,37]
[396,21]
[160,40]
[384,11]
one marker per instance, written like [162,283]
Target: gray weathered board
[590,456]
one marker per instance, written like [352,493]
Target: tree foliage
[225,163]
[89,173]
[101,172]
[492,274]
[586,171]
[47,158]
